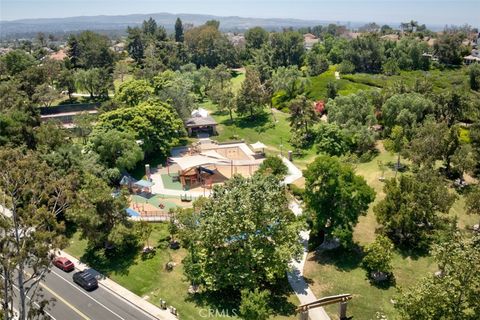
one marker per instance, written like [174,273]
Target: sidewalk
[295,276]
[123,293]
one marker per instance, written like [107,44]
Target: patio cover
[143,184]
[196,161]
[258,145]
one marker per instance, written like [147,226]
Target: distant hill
[29,27]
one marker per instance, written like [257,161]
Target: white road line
[80,290]
[36,304]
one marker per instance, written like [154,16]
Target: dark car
[85,280]
[63,263]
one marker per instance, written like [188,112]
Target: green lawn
[340,272]
[317,90]
[148,278]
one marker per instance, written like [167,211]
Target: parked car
[64,264]
[85,280]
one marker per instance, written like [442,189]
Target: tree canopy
[335,197]
[243,246]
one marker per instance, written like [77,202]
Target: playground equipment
[342,299]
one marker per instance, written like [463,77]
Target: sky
[438,12]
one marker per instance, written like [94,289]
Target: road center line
[81,314]
[76,288]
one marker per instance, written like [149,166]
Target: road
[74,303]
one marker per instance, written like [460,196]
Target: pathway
[295,276]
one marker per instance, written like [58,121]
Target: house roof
[258,145]
[143,183]
[196,161]
[200,122]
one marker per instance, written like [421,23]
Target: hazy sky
[426,11]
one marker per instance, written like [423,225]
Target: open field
[340,272]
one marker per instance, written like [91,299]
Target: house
[119,47]
[201,122]
[309,40]
[60,55]
[472,58]
[391,37]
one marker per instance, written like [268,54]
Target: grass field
[317,90]
[340,272]
[148,278]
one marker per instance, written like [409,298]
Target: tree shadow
[110,261]
[279,298]
[226,301]
[344,259]
[260,122]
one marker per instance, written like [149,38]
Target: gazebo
[143,186]
[257,146]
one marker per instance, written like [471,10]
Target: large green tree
[414,208]
[133,92]
[100,216]
[335,197]
[453,294]
[154,122]
[251,97]
[116,149]
[33,196]
[243,246]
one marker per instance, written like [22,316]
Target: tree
[428,143]
[335,197]
[254,305]
[391,68]
[273,165]
[472,201]
[226,102]
[352,110]
[90,50]
[463,160]
[316,63]
[176,88]
[332,140]
[95,81]
[332,90]
[251,99]
[179,30]
[378,258]
[66,82]
[414,208]
[255,38]
[474,76]
[135,45]
[302,114]
[116,149]
[247,246]
[101,217]
[209,47]
[396,143]
[120,70]
[133,92]
[45,95]
[454,293]
[288,79]
[83,125]
[405,110]
[17,61]
[287,49]
[448,48]
[366,53]
[35,196]
[154,122]
[145,231]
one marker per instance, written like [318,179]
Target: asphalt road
[71,302]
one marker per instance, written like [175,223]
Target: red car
[63,263]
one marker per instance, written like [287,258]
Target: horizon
[435,13]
